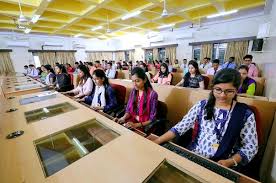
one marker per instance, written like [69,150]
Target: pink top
[253,71]
[163,80]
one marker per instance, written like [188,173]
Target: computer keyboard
[203,162]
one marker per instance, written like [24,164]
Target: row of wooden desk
[64,141]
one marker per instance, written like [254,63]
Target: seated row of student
[192,79]
[206,64]
[85,85]
[145,68]
[142,104]
[63,80]
[163,77]
[226,128]
[215,67]
[30,71]
[103,96]
[248,85]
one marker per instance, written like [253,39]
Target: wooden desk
[128,158]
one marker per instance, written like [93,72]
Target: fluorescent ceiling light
[103,37]
[22,18]
[97,28]
[35,18]
[222,14]
[78,35]
[27,31]
[166,26]
[130,15]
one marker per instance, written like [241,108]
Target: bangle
[235,162]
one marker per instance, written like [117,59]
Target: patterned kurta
[207,135]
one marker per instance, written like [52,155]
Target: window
[196,52]
[148,55]
[126,55]
[36,61]
[162,54]
[219,51]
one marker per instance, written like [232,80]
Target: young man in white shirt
[215,68]
[33,72]
[110,73]
[26,70]
[206,64]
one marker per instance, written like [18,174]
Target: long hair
[223,76]
[49,68]
[140,73]
[166,73]
[244,85]
[62,68]
[100,74]
[86,73]
[188,74]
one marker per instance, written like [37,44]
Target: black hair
[98,62]
[90,63]
[223,76]
[109,63]
[77,63]
[215,61]
[100,74]
[86,73]
[248,56]
[145,67]
[49,68]
[57,63]
[166,73]
[62,68]
[245,83]
[188,74]
[140,73]
[31,65]
[26,66]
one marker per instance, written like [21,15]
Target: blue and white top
[207,134]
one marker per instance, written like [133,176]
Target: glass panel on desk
[41,97]
[49,111]
[167,173]
[29,86]
[60,150]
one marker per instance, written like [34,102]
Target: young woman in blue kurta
[226,128]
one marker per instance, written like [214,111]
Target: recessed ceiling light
[35,18]
[97,28]
[166,26]
[130,15]
[27,31]
[222,14]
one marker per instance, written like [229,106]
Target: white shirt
[85,89]
[114,67]
[110,73]
[211,71]
[205,67]
[33,72]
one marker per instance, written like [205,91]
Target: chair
[120,92]
[206,82]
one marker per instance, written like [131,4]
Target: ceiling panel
[71,17]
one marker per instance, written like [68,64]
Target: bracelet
[235,162]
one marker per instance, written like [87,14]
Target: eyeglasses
[226,92]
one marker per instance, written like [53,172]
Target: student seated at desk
[33,72]
[193,79]
[43,73]
[248,85]
[26,70]
[226,130]
[50,77]
[110,72]
[142,104]
[145,68]
[63,80]
[163,77]
[103,96]
[85,85]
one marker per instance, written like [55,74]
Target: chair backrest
[162,110]
[260,85]
[206,82]
[174,70]
[176,78]
[116,75]
[120,92]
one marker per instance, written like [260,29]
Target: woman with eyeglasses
[226,129]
